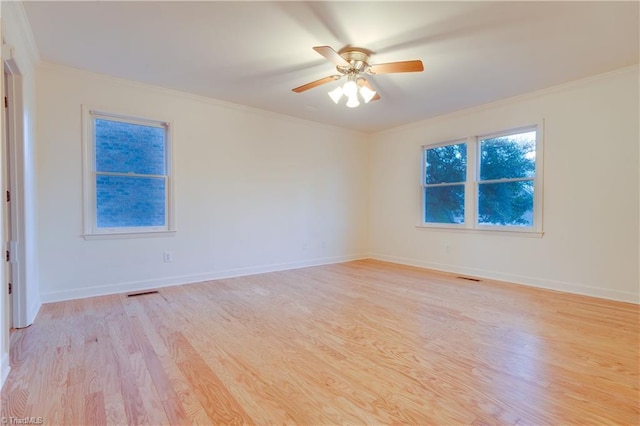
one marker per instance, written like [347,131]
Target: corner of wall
[368,153]
[33,310]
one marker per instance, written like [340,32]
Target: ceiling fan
[351,63]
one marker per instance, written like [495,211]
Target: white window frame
[91,230]
[471,223]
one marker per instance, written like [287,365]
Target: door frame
[15,242]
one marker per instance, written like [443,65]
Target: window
[127,175]
[491,182]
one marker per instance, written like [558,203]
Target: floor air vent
[470,279]
[142,293]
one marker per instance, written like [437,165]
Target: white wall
[590,242]
[255,191]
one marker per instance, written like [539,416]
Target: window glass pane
[506,203]
[444,204]
[446,164]
[129,148]
[127,201]
[505,157]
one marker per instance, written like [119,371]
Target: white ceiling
[254,53]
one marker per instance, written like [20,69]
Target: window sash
[425,175]
[131,175]
[448,214]
[480,224]
[435,185]
[506,180]
[164,181]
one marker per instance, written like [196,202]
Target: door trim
[15,125]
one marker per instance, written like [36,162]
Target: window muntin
[502,184]
[445,170]
[127,175]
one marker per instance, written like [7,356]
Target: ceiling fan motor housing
[358,60]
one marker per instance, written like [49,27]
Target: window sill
[124,235]
[480,231]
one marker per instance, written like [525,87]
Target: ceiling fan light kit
[351,90]
[351,63]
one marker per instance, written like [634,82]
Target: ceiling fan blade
[363,82]
[332,55]
[392,67]
[316,83]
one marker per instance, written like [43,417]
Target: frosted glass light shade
[353,101]
[350,89]
[336,94]
[367,94]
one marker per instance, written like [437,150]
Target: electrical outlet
[167,256]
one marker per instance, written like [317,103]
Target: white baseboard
[575,288]
[33,310]
[127,287]
[5,368]
[30,317]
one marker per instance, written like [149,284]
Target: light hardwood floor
[357,343]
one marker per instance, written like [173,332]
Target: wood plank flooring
[356,343]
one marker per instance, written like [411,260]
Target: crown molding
[108,79]
[16,31]
[575,84]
